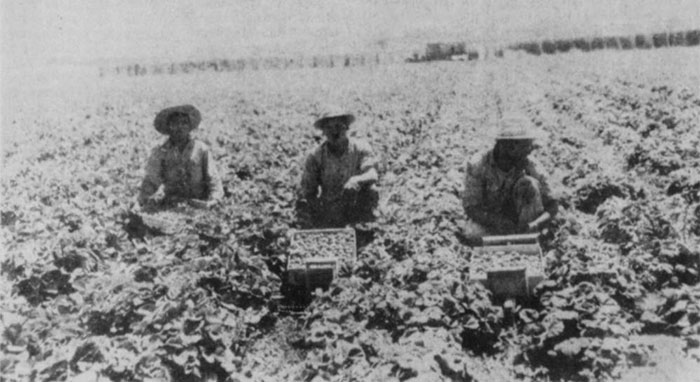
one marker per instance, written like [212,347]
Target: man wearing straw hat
[182,168]
[338,184]
[505,191]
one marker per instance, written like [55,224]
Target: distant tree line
[460,51]
[638,41]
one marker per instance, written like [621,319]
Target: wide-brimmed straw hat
[516,127]
[332,112]
[161,121]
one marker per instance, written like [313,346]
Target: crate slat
[529,238]
[533,249]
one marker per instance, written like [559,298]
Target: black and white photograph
[349,191]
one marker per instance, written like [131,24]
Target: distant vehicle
[444,51]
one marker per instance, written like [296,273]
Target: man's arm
[308,187]
[307,193]
[368,177]
[152,183]
[368,174]
[549,202]
[551,207]
[215,188]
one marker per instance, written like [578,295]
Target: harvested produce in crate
[328,243]
[484,262]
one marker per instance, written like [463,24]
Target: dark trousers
[523,205]
[350,208]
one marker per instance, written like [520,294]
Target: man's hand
[352,185]
[204,204]
[537,223]
[527,227]
[156,199]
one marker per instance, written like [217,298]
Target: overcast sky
[36,32]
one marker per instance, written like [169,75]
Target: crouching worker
[505,191]
[338,186]
[182,168]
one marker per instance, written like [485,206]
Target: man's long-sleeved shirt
[190,173]
[489,187]
[330,172]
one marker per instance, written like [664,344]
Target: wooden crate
[313,274]
[512,270]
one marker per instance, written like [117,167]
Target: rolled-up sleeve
[368,159]
[536,171]
[211,176]
[473,186]
[153,175]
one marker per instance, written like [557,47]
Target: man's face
[335,131]
[179,126]
[518,149]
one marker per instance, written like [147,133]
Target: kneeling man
[338,184]
[182,168]
[505,191]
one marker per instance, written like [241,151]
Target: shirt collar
[169,146]
[329,152]
[491,162]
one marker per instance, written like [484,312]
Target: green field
[83,300]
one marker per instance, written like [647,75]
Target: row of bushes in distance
[639,41]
